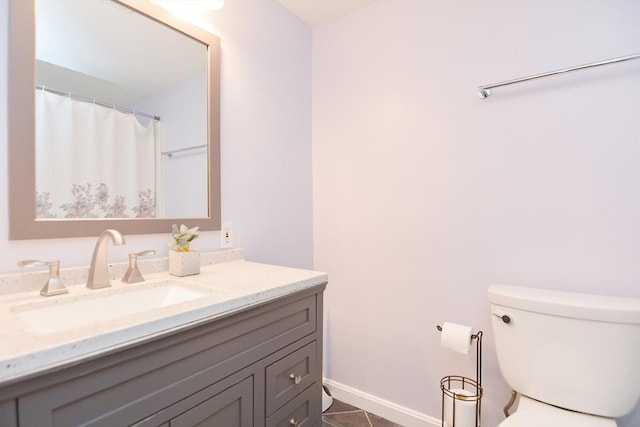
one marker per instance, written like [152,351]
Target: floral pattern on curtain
[93,161]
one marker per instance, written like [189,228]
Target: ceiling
[317,12]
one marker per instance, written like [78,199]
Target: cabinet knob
[293,422]
[295,378]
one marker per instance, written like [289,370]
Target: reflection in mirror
[108,104]
[123,130]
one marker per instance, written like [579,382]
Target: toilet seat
[533,413]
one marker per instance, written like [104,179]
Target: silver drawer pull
[293,422]
[295,378]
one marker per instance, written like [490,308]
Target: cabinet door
[8,413]
[230,408]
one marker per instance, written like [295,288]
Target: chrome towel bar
[485,90]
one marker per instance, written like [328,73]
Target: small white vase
[184,263]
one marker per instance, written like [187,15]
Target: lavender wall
[424,195]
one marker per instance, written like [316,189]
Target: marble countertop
[226,287]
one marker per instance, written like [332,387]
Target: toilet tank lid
[568,304]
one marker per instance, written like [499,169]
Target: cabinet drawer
[289,376]
[302,411]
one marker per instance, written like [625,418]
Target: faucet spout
[99,270]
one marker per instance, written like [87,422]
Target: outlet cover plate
[226,235]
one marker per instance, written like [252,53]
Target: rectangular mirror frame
[21,134]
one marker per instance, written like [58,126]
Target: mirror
[65,79]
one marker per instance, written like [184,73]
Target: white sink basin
[61,315]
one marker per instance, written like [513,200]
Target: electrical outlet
[226,235]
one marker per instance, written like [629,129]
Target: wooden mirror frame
[21,133]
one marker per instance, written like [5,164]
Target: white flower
[183,236]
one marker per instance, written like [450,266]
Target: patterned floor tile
[342,414]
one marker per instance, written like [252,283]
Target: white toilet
[574,358]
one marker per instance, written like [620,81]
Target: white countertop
[228,286]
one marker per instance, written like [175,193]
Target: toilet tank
[576,351]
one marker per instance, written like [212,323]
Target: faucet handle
[133,274]
[54,285]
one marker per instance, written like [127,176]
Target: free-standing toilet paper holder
[463,393]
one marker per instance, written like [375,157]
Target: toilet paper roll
[465,410]
[456,337]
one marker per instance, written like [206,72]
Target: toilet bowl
[532,413]
[572,357]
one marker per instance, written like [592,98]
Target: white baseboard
[396,413]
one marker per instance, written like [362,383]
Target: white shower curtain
[93,161]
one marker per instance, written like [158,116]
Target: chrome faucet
[99,270]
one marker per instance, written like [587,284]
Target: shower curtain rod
[485,90]
[104,104]
[180,150]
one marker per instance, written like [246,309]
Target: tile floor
[341,414]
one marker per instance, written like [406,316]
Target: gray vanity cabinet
[256,367]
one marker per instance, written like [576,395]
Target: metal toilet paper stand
[473,389]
